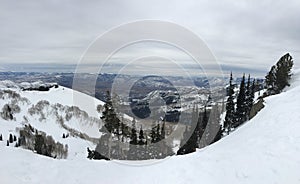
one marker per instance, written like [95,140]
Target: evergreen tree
[11,139]
[15,138]
[1,139]
[278,77]
[133,136]
[271,78]
[249,96]
[158,133]
[141,137]
[109,117]
[153,135]
[241,106]
[163,131]
[39,143]
[7,143]
[230,108]
[283,74]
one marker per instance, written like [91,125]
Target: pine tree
[241,107]
[1,139]
[158,133]
[230,108]
[249,97]
[163,131]
[141,137]
[109,117]
[153,133]
[7,143]
[133,135]
[15,138]
[283,74]
[11,139]
[278,77]
[271,78]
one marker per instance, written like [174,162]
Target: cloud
[249,35]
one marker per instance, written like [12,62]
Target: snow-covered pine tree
[230,108]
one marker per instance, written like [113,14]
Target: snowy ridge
[264,150]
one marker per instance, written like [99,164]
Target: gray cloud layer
[242,34]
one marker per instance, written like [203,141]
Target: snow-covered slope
[263,151]
[54,113]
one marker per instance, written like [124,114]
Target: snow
[64,96]
[264,150]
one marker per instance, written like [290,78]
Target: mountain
[264,150]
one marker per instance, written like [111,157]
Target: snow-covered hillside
[264,150]
[54,113]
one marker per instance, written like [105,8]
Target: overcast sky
[243,35]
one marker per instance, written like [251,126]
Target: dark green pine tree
[283,74]
[153,133]
[1,139]
[157,139]
[271,79]
[241,106]
[109,117]
[163,131]
[280,74]
[142,140]
[249,99]
[11,139]
[253,86]
[230,108]
[133,135]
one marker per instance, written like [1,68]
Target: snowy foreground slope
[265,150]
